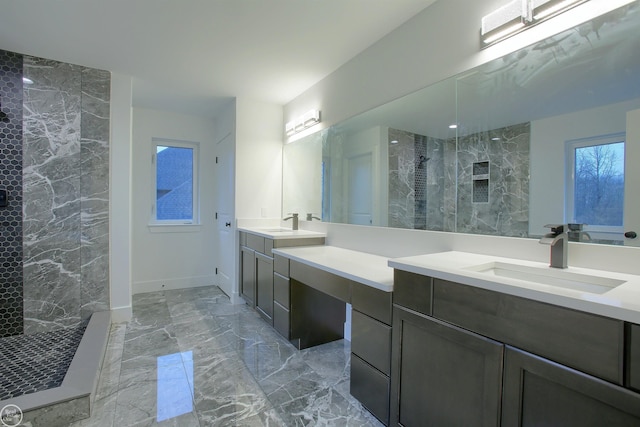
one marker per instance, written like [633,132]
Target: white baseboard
[121,314]
[171,284]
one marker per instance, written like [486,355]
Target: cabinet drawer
[281,265]
[281,320]
[281,290]
[412,291]
[327,283]
[372,302]
[371,388]
[268,247]
[371,341]
[255,242]
[634,357]
[583,341]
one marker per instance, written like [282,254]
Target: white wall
[120,173]
[547,167]
[259,136]
[171,257]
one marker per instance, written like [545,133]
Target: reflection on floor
[190,358]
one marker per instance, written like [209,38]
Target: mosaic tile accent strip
[36,362]
[11,316]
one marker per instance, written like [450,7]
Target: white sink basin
[275,230]
[549,276]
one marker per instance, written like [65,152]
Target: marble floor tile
[191,358]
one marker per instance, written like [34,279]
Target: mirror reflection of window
[596,188]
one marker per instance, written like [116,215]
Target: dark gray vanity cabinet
[538,392]
[371,316]
[281,296]
[264,287]
[257,280]
[443,375]
[526,363]
[248,274]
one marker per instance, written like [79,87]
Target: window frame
[570,183]
[195,146]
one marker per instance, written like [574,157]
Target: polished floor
[190,358]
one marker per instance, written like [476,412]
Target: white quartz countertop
[281,233]
[621,302]
[368,269]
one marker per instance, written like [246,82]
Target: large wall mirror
[536,137]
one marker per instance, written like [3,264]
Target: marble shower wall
[66,194]
[11,319]
[417,178]
[431,182]
[506,213]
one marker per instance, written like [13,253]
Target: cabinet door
[248,277]
[538,392]
[264,287]
[443,375]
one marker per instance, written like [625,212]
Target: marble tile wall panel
[507,211]
[402,158]
[94,191]
[11,307]
[65,193]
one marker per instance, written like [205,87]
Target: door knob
[630,234]
[227,224]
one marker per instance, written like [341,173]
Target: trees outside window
[597,190]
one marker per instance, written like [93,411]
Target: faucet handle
[556,228]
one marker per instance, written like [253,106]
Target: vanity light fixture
[504,22]
[543,9]
[305,121]
[519,15]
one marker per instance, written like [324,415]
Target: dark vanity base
[316,318]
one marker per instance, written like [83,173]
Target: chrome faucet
[311,217]
[558,239]
[294,217]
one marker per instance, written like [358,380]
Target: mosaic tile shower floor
[190,358]
[36,362]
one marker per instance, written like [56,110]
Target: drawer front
[328,283]
[372,302]
[371,388]
[281,320]
[634,357]
[412,291]
[255,242]
[243,238]
[281,290]
[281,265]
[371,341]
[587,342]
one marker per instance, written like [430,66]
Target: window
[595,194]
[175,194]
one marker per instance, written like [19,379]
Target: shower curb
[72,401]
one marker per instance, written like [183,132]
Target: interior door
[360,189]
[632,179]
[226,228]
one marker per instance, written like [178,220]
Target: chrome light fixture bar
[519,15]
[305,121]
[504,22]
[544,9]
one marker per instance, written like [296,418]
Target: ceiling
[192,56]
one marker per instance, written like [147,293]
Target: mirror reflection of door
[632,178]
[359,193]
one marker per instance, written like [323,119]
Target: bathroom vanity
[257,266]
[475,348]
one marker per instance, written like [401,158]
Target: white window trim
[195,146]
[570,169]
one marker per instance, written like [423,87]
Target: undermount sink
[549,276]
